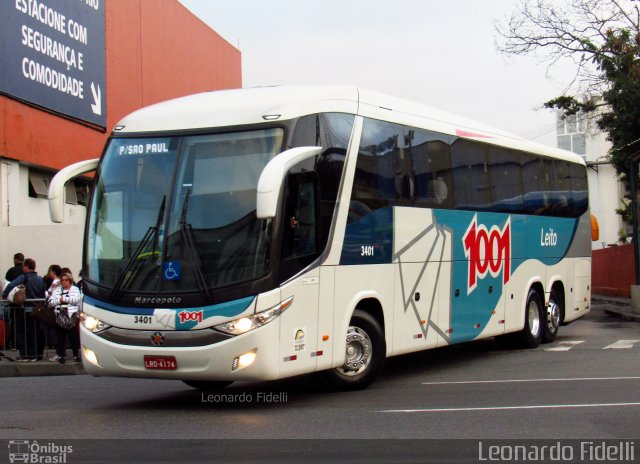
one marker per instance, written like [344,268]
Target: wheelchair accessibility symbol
[171,270]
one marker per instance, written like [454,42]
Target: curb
[624,314]
[621,302]
[40,368]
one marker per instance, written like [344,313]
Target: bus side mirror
[57,185]
[273,174]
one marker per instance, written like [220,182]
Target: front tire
[365,352]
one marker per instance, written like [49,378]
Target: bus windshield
[177,214]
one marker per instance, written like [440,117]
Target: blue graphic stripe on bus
[119,309]
[369,240]
[487,250]
[188,318]
[185,318]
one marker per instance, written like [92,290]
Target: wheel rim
[553,316]
[357,353]
[534,318]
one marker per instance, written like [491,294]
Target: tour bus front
[177,263]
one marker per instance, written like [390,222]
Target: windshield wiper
[192,252]
[134,264]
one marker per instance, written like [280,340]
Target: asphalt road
[586,385]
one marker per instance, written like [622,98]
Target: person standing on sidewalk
[16,271]
[29,335]
[53,277]
[66,298]
[12,274]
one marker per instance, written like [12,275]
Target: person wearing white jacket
[67,298]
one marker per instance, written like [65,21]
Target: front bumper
[209,362]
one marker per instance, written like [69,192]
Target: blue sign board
[52,54]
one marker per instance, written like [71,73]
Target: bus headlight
[93,324]
[245,324]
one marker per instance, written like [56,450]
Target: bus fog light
[90,356]
[244,360]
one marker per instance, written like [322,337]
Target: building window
[82,190]
[70,195]
[39,184]
[579,144]
[564,142]
[77,191]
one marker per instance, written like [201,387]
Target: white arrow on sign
[96,106]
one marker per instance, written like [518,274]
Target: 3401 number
[367,250]
[142,319]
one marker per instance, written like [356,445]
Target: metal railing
[23,336]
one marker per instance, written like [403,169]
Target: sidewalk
[9,367]
[616,306]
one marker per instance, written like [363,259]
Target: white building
[581,135]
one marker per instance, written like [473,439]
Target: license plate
[160,363]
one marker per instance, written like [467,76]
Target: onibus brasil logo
[488,251]
[33,452]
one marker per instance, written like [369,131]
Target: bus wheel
[552,322]
[531,335]
[205,385]
[365,351]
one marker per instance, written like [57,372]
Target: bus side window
[470,175]
[431,168]
[579,190]
[380,179]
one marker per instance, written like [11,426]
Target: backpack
[17,295]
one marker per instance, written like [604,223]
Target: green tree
[602,39]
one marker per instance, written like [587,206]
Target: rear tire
[534,316]
[365,352]
[207,386]
[552,320]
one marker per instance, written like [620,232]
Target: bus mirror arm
[58,183]
[272,176]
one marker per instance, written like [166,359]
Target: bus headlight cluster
[245,324]
[94,324]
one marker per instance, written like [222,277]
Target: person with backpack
[15,271]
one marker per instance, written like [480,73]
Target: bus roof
[260,104]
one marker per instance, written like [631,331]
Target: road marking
[509,408]
[621,345]
[530,380]
[565,346]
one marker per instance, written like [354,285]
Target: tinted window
[430,156]
[579,192]
[535,185]
[506,180]
[312,187]
[470,175]
[400,165]
[560,187]
[379,180]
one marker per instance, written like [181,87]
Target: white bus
[262,233]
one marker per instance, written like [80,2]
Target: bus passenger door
[300,243]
